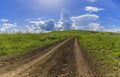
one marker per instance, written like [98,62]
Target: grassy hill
[20,43]
[101,48]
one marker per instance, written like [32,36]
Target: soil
[62,59]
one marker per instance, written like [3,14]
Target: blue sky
[20,11]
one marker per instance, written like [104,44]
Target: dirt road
[83,68]
[63,59]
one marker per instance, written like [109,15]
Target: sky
[48,15]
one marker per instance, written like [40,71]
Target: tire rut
[83,68]
[65,63]
[15,71]
[64,60]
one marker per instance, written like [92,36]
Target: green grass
[102,48]
[104,51]
[20,43]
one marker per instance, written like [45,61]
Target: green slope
[20,43]
[101,48]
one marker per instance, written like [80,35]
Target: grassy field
[102,48]
[20,43]
[104,51]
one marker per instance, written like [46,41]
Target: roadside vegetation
[104,51]
[101,48]
[21,43]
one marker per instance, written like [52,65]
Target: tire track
[65,63]
[83,68]
[64,60]
[15,72]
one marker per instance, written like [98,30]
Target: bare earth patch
[63,59]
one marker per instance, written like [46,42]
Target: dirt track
[63,59]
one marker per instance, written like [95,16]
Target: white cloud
[95,27]
[114,29]
[59,26]
[93,9]
[5,26]
[40,25]
[38,22]
[4,20]
[65,21]
[86,22]
[82,21]
[49,25]
[14,30]
[32,29]
[74,27]
[28,29]
[92,1]
[2,30]
[8,25]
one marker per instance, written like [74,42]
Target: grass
[102,48]
[20,43]
[104,51]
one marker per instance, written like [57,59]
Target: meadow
[21,43]
[104,51]
[102,48]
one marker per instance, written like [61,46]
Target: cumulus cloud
[93,9]
[33,29]
[37,26]
[49,25]
[87,17]
[38,22]
[65,22]
[2,30]
[87,22]
[112,29]
[82,21]
[28,29]
[4,20]
[58,26]
[14,31]
[8,25]
[95,27]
